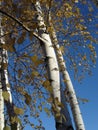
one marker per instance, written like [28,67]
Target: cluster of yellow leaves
[68,10]
[35,74]
[59,13]
[18,111]
[90,46]
[47,86]
[28,98]
[9,46]
[36,61]
[80,27]
[50,29]
[55,108]
[47,111]
[15,119]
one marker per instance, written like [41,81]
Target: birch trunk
[4,85]
[52,67]
[1,97]
[1,107]
[69,86]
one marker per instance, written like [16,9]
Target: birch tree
[45,30]
[53,70]
[69,86]
[1,97]
[5,91]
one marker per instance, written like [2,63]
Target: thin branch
[15,19]
[24,26]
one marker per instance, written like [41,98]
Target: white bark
[1,97]
[4,83]
[50,56]
[1,106]
[69,86]
[53,70]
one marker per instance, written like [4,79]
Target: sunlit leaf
[46,83]
[34,58]
[40,107]
[18,111]
[47,111]
[35,74]
[6,128]
[5,95]
[62,49]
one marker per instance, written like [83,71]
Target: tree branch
[15,19]
[24,26]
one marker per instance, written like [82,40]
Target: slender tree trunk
[52,67]
[69,86]
[4,85]
[1,97]
[1,107]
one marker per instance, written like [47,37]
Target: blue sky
[87,89]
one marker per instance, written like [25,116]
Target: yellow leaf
[18,111]
[62,49]
[27,98]
[34,58]
[84,57]
[58,115]
[46,83]
[47,111]
[5,95]
[90,46]
[35,74]
[40,107]
[59,13]
[50,99]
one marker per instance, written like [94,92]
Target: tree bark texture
[70,92]
[52,67]
[4,85]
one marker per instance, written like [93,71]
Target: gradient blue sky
[87,89]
